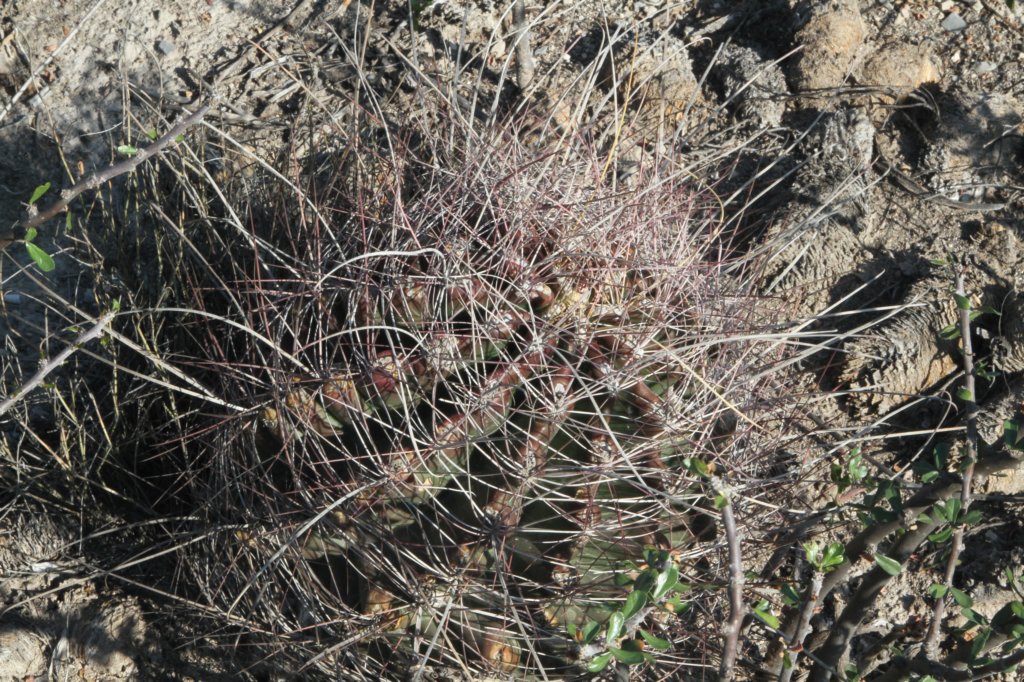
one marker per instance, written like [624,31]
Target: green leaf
[675,604]
[973,616]
[890,566]
[942,536]
[654,642]
[41,258]
[634,602]
[179,138]
[811,552]
[937,591]
[979,642]
[1011,434]
[964,394]
[599,663]
[127,150]
[952,509]
[615,623]
[769,618]
[858,471]
[623,580]
[38,193]
[833,556]
[1004,617]
[151,133]
[697,466]
[627,657]
[961,598]
[590,631]
[962,302]
[665,581]
[646,581]
[971,517]
[950,332]
[1017,608]
[632,645]
[30,234]
[789,595]
[721,501]
[67,221]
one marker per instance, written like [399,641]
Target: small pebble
[954,22]
[164,47]
[983,67]
[947,5]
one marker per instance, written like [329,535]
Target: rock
[165,47]
[900,66]
[953,23]
[833,42]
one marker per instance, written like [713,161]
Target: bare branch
[525,66]
[56,361]
[932,640]
[737,610]
[111,172]
[811,600]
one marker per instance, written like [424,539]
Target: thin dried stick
[37,218]
[56,361]
[811,601]
[525,66]
[731,632]
[932,640]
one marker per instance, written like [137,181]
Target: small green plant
[823,562]
[42,259]
[654,586]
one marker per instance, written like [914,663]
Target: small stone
[164,47]
[983,67]
[900,66]
[833,41]
[947,5]
[954,22]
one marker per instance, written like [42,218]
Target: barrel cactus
[480,390]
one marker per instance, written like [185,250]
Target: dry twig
[932,640]
[37,218]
